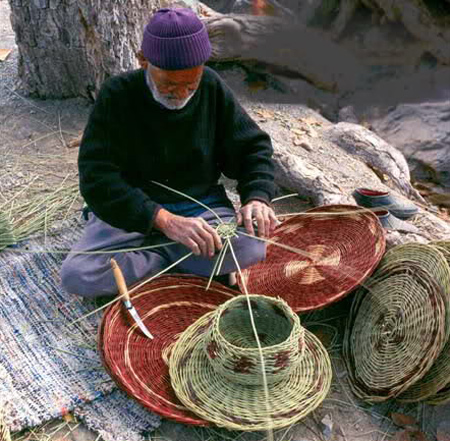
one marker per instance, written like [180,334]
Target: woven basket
[211,358]
[438,378]
[341,246]
[231,339]
[442,397]
[139,366]
[398,323]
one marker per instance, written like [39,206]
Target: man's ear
[142,60]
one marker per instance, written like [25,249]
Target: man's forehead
[178,76]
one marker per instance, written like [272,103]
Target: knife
[127,302]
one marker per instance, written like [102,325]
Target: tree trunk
[67,48]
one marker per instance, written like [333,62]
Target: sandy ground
[34,136]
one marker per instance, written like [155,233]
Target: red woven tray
[167,305]
[340,252]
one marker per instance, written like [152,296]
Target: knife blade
[127,301]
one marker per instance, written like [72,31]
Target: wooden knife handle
[120,280]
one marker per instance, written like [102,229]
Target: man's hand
[194,232]
[261,213]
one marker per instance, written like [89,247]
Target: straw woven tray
[399,325]
[139,366]
[340,246]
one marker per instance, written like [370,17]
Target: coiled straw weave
[340,247]
[222,341]
[139,366]
[398,324]
[438,378]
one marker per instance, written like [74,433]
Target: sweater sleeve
[246,150]
[109,196]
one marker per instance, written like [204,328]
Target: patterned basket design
[340,247]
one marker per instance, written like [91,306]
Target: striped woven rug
[49,367]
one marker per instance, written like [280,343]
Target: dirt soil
[35,138]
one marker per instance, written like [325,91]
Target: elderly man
[173,122]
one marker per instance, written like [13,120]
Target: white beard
[171,104]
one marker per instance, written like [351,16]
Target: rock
[337,162]
[384,159]
[324,172]
[327,426]
[347,114]
[421,131]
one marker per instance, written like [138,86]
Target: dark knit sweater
[131,139]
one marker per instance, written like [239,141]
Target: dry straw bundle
[19,221]
[215,370]
[338,247]
[399,325]
[4,431]
[7,236]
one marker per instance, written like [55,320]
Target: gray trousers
[90,275]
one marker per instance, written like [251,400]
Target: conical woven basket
[341,244]
[213,357]
[138,365]
[398,323]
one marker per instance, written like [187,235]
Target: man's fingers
[193,246]
[208,238]
[216,240]
[274,222]
[259,217]
[248,222]
[201,242]
[239,218]
[267,223]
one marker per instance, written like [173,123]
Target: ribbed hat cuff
[176,53]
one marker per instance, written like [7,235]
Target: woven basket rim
[276,300]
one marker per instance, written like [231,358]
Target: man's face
[174,88]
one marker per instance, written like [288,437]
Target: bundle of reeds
[7,236]
[4,431]
[20,220]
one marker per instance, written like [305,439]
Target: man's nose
[181,93]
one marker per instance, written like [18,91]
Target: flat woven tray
[398,324]
[340,246]
[139,366]
[437,380]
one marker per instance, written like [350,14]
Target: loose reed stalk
[133,289]
[7,236]
[4,431]
[258,343]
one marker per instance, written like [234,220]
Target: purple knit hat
[176,39]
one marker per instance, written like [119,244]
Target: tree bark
[68,48]
[286,44]
[418,20]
